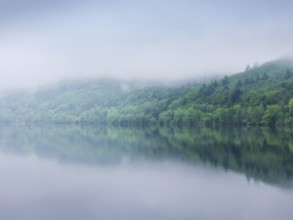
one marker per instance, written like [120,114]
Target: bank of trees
[259,96]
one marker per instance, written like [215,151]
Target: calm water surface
[71,172]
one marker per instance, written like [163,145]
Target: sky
[44,41]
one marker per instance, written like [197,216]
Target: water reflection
[258,153]
[35,189]
[85,173]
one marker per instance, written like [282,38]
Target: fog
[47,41]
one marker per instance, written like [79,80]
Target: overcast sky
[44,41]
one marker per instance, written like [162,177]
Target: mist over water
[71,172]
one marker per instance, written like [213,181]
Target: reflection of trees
[262,154]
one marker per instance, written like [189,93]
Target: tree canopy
[259,96]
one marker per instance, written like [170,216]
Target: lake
[87,172]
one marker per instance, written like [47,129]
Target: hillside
[259,96]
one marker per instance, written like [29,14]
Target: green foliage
[259,96]
[271,115]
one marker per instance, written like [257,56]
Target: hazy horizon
[43,42]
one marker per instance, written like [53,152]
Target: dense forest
[259,96]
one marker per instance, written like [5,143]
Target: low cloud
[127,41]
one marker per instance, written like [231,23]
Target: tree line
[259,96]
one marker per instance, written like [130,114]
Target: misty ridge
[262,95]
[146,63]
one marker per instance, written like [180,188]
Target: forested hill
[259,96]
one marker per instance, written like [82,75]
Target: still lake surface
[86,173]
